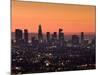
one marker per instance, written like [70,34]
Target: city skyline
[66,33]
[71,18]
[24,34]
[51,54]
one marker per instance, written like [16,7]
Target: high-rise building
[18,35]
[55,35]
[48,36]
[40,35]
[61,34]
[82,37]
[75,39]
[60,30]
[26,35]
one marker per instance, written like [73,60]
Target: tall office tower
[55,35]
[48,36]
[82,37]
[61,34]
[26,35]
[60,30]
[40,35]
[75,39]
[18,35]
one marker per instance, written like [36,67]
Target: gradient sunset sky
[71,18]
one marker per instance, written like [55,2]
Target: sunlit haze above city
[71,18]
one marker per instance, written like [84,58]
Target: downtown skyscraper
[40,35]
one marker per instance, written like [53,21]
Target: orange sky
[72,18]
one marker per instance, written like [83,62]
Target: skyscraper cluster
[23,35]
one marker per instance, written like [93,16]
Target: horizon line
[58,31]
